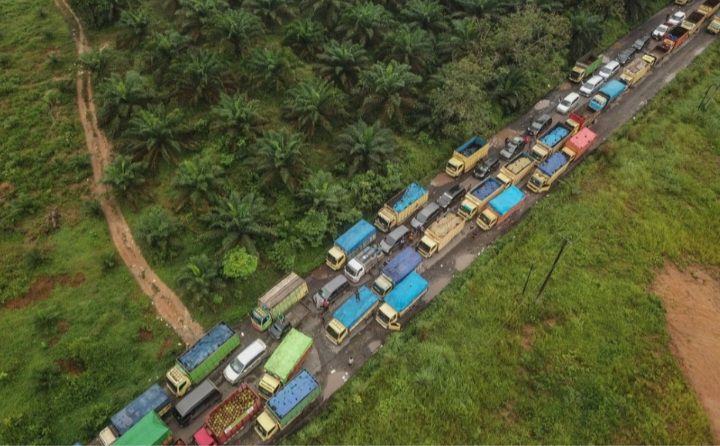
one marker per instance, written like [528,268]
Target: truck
[517,169]
[277,301]
[350,243]
[714,26]
[201,358]
[632,74]
[608,93]
[674,38]
[554,138]
[440,234]
[285,361]
[154,399]
[229,417]
[479,196]
[150,430]
[501,208]
[287,405]
[406,294]
[466,156]
[709,7]
[550,170]
[405,262]
[585,67]
[693,21]
[363,263]
[356,308]
[401,207]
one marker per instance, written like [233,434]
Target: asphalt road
[329,363]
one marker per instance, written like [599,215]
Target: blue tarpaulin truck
[479,196]
[287,405]
[405,262]
[352,312]
[400,300]
[401,206]
[554,139]
[501,208]
[153,399]
[466,156]
[552,168]
[608,93]
[350,243]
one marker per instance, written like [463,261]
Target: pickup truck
[351,313]
[350,243]
[440,234]
[277,301]
[154,399]
[501,208]
[287,405]
[229,417]
[693,21]
[674,38]
[466,156]
[405,262]
[363,263]
[285,361]
[552,168]
[632,74]
[479,195]
[401,207]
[585,67]
[554,138]
[406,294]
[608,93]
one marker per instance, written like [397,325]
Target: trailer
[405,262]
[287,405]
[350,314]
[406,294]
[350,243]
[440,234]
[675,38]
[501,208]
[608,93]
[466,156]
[401,207]
[285,361]
[150,430]
[201,358]
[229,417]
[585,67]
[479,196]
[637,70]
[277,301]
[154,399]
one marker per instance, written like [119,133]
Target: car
[609,69]
[591,85]
[625,55]
[513,146]
[451,196]
[325,296]
[676,18]
[280,327]
[569,103]
[539,124]
[425,216]
[396,238]
[488,165]
[641,43]
[659,32]
[245,362]
[681,2]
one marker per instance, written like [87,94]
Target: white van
[245,362]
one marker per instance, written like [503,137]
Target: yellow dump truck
[479,196]
[637,69]
[555,166]
[714,26]
[517,169]
[401,206]
[466,156]
[709,7]
[555,138]
[440,233]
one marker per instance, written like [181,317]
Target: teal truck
[351,313]
[278,301]
[608,93]
[201,358]
[350,243]
[287,405]
[406,294]
[286,360]
[585,67]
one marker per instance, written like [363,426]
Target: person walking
[351,360]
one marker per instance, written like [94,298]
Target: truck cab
[455,167]
[427,246]
[387,317]
[336,332]
[265,426]
[261,318]
[363,263]
[268,385]
[335,258]
[177,381]
[487,219]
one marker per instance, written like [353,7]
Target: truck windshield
[331,331]
[452,165]
[384,223]
[424,248]
[261,429]
[331,259]
[536,181]
[485,219]
[379,289]
[466,208]
[384,317]
[352,270]
[257,317]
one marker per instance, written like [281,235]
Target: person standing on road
[351,360]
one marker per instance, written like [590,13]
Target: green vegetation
[589,361]
[79,339]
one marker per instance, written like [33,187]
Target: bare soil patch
[42,288]
[145,335]
[71,366]
[692,306]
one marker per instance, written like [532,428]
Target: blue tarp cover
[205,347]
[486,188]
[294,391]
[552,164]
[507,200]
[153,398]
[353,309]
[355,236]
[555,135]
[402,264]
[406,291]
[471,146]
[412,193]
[613,88]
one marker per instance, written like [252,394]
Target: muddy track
[166,302]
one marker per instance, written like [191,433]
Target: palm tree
[200,75]
[457,42]
[411,46]
[304,36]
[636,10]
[196,15]
[197,179]
[341,62]
[327,11]
[200,278]
[273,12]
[155,134]
[389,89]
[163,48]
[427,14]
[137,22]
[366,146]
[124,174]
[478,8]
[587,30]
[365,22]
[550,5]
[240,27]
[238,118]
[322,192]
[272,67]
[238,220]
[279,156]
[119,96]
[511,90]
[314,103]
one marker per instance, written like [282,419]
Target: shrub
[158,230]
[239,264]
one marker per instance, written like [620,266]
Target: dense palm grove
[253,129]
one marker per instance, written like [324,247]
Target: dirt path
[692,306]
[166,302]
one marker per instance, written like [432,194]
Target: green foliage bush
[238,264]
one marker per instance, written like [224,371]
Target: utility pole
[527,279]
[552,269]
[709,93]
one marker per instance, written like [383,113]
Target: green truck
[150,430]
[585,67]
[287,405]
[278,301]
[285,361]
[201,358]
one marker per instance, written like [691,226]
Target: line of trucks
[286,389]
